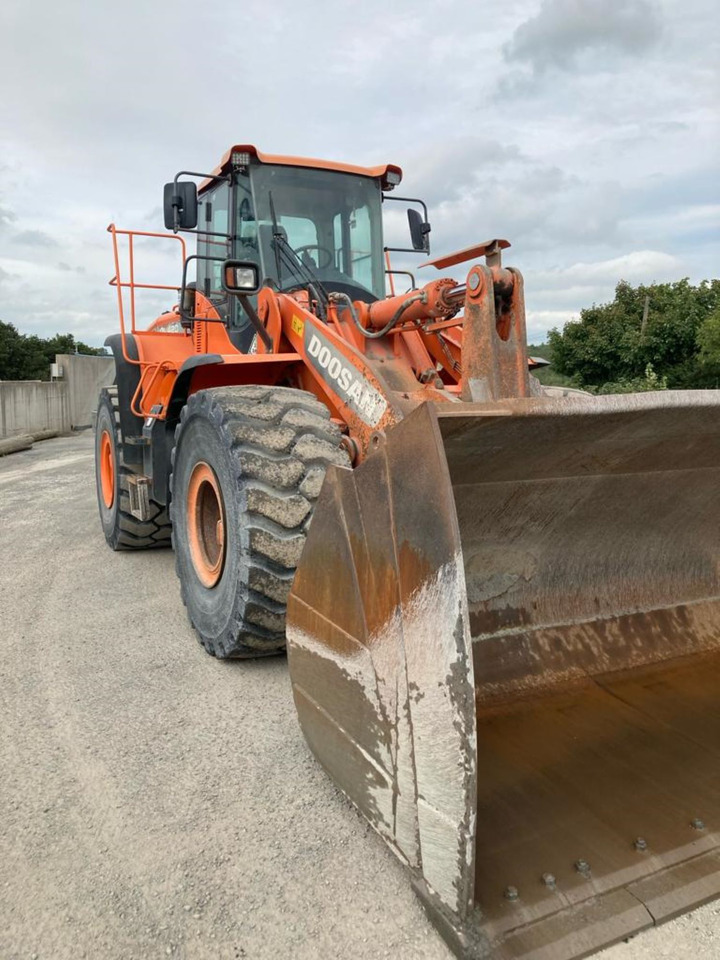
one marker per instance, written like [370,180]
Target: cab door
[214,219]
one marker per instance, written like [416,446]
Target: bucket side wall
[378,629]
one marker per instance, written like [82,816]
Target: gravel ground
[158,803]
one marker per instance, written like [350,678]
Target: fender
[127,378]
[181,387]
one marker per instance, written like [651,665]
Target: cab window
[300,231]
[332,225]
[213,216]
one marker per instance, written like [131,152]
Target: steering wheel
[316,246]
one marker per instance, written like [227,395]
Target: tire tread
[134,534]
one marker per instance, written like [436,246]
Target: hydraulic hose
[377,334]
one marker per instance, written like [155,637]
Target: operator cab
[303,222]
[331,221]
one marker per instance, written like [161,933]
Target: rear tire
[122,530]
[247,468]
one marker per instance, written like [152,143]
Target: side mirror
[180,206]
[419,230]
[241,276]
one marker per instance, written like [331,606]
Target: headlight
[241,276]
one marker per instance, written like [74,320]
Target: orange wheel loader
[503,623]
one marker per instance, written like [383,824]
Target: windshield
[331,220]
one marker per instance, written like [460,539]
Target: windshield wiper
[302,271]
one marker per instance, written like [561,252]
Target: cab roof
[377,172]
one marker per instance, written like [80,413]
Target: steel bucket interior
[590,541]
[504,642]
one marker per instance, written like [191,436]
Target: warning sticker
[298,325]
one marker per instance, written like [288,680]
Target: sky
[586,132]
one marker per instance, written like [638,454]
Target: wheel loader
[502,624]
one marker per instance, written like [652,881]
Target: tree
[657,324]
[29,357]
[708,341]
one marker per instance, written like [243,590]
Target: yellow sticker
[298,325]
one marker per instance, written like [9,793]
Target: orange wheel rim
[206,524]
[107,470]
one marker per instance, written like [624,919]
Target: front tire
[247,467]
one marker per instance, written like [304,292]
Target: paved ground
[154,802]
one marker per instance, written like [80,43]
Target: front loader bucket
[504,645]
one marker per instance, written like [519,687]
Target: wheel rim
[107,470]
[206,524]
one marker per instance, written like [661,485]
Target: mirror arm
[255,320]
[410,200]
[205,176]
[425,226]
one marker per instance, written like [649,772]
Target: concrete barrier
[23,441]
[84,376]
[28,406]
[69,403]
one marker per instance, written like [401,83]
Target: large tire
[247,467]
[122,530]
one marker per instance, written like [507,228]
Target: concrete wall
[84,377]
[27,406]
[30,405]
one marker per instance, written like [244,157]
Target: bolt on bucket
[504,646]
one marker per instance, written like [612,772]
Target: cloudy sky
[584,131]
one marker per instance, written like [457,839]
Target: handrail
[121,285]
[143,286]
[135,404]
